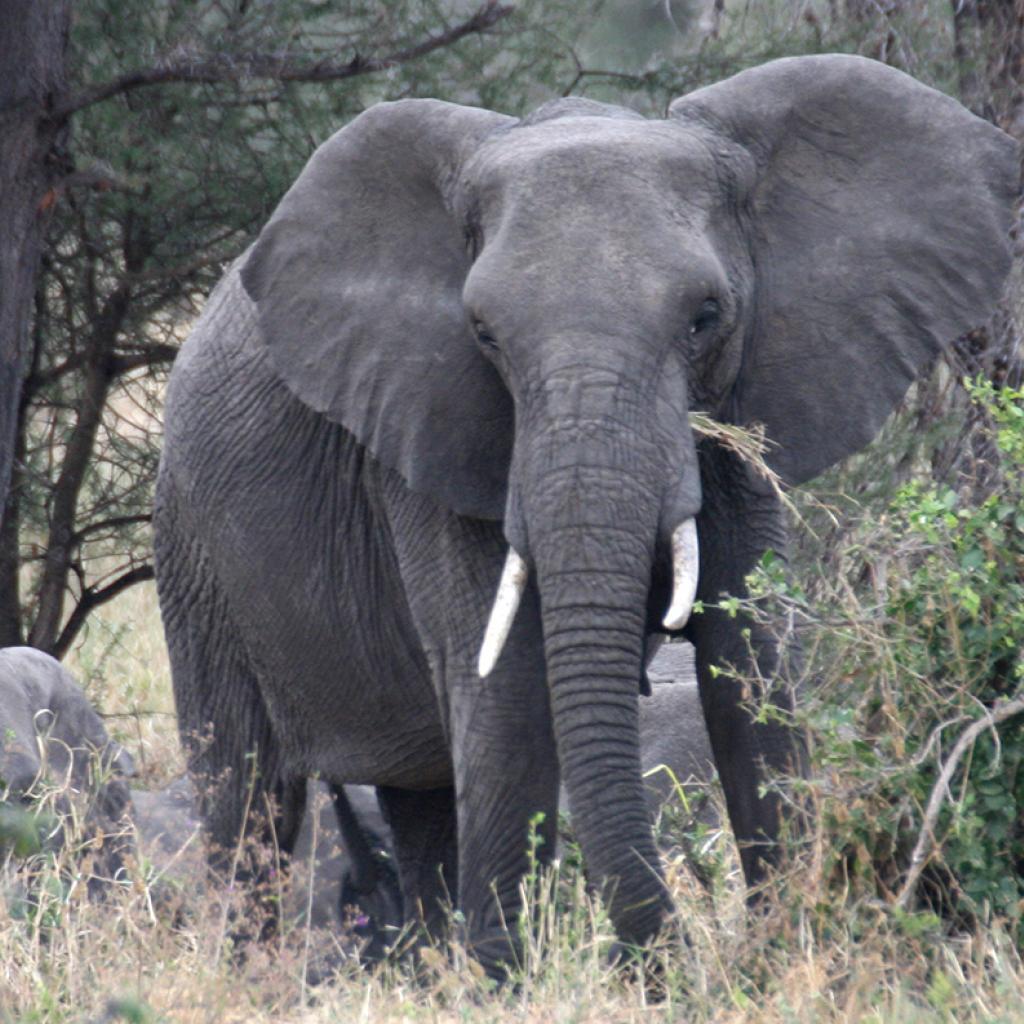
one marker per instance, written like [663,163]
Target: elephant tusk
[685,570]
[506,603]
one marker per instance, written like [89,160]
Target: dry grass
[811,958]
[121,661]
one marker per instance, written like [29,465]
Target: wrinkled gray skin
[51,740]
[460,331]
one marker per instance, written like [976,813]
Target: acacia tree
[32,78]
[184,124]
[175,128]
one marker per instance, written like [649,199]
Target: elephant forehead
[591,158]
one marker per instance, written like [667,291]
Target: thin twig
[926,842]
[92,599]
[114,523]
[283,67]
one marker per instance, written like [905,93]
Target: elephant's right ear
[357,280]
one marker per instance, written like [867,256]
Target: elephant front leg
[741,519]
[506,777]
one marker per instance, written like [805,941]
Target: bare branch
[151,355]
[109,524]
[190,267]
[91,599]
[926,842]
[282,67]
[117,366]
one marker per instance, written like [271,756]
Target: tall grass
[807,958]
[898,661]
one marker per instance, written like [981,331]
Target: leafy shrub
[929,588]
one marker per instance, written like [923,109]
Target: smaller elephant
[342,877]
[53,746]
[351,854]
[52,741]
[674,748]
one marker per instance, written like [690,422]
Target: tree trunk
[78,457]
[11,632]
[33,41]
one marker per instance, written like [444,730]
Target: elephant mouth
[514,576]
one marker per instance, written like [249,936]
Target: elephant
[52,737]
[674,748]
[342,876]
[52,741]
[429,490]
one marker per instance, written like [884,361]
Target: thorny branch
[92,598]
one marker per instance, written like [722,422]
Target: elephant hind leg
[423,830]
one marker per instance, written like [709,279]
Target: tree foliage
[911,619]
[183,123]
[189,122]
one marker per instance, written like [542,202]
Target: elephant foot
[648,964]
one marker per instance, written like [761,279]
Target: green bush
[912,625]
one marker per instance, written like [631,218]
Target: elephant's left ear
[879,215]
[357,280]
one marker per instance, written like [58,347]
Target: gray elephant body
[460,332]
[674,749]
[53,740]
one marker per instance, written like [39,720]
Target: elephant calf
[342,877]
[52,741]
[54,745]
[674,747]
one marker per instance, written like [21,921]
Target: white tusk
[685,570]
[506,603]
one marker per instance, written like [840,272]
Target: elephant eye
[483,335]
[707,317]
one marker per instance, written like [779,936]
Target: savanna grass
[885,690]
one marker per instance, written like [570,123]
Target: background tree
[33,38]
[156,156]
[189,121]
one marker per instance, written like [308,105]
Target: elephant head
[518,315]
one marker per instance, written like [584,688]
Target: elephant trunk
[592,531]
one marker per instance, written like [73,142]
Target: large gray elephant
[465,341]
